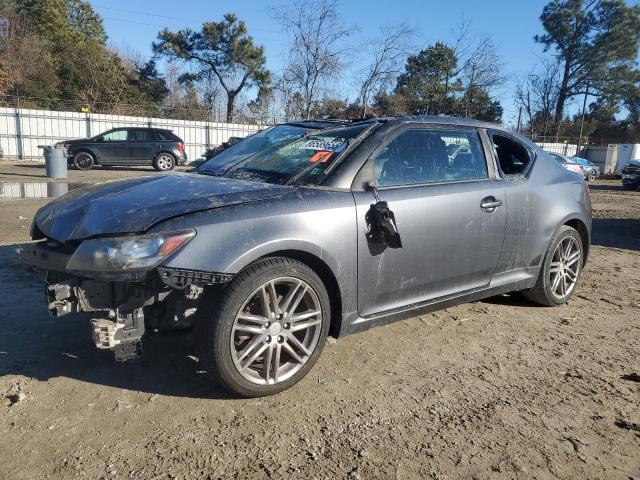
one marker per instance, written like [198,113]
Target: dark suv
[127,146]
[631,175]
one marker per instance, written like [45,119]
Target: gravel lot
[494,389]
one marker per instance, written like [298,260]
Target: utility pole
[519,119]
[584,107]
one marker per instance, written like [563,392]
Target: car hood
[74,141]
[134,205]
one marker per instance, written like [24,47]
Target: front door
[450,215]
[113,148]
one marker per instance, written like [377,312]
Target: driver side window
[115,136]
[420,156]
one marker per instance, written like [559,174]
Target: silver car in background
[329,234]
[591,170]
[569,164]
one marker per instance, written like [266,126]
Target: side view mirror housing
[382,223]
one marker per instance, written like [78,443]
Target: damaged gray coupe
[325,234]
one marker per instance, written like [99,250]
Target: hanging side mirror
[382,222]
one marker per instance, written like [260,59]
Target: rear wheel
[560,271]
[266,329]
[164,162]
[84,161]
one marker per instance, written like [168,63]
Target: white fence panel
[22,130]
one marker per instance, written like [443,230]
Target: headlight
[119,254]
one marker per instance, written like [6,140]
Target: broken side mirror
[382,223]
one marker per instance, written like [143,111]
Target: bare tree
[387,58]
[537,94]
[482,70]
[479,66]
[317,53]
[289,99]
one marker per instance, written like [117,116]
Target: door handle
[489,204]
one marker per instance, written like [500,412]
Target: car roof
[155,129]
[319,123]
[439,119]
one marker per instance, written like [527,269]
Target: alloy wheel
[83,161]
[164,162]
[591,175]
[565,267]
[276,331]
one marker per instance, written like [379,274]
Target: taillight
[181,147]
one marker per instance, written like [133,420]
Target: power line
[146,14]
[133,21]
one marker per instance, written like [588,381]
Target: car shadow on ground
[513,299]
[35,345]
[605,187]
[616,233]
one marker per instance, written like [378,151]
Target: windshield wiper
[210,173]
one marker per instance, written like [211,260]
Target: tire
[591,176]
[241,352]
[164,162]
[556,264]
[84,161]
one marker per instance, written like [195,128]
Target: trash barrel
[55,162]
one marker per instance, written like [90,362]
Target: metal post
[87,121]
[19,146]
[519,119]
[584,106]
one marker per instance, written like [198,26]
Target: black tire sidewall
[564,232]
[217,348]
[87,154]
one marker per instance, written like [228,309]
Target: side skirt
[518,280]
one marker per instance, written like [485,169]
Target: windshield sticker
[320,157]
[324,145]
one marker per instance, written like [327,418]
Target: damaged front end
[120,282]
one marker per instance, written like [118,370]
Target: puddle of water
[13,190]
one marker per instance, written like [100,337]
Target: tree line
[54,54]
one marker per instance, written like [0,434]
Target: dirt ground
[494,389]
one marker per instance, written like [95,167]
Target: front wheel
[560,271]
[266,329]
[591,176]
[84,161]
[164,162]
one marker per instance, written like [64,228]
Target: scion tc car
[158,147]
[328,234]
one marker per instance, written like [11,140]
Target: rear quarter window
[512,156]
[167,136]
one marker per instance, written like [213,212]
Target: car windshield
[303,161]
[255,143]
